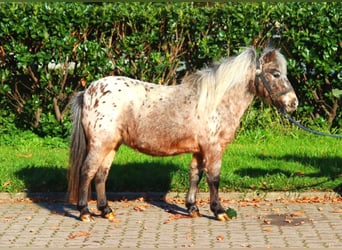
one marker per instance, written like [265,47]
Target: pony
[198,116]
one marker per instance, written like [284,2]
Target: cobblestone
[261,223]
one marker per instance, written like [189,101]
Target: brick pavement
[311,222]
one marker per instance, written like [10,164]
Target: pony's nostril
[292,106]
[295,103]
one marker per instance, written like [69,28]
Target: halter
[259,74]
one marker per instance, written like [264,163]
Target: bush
[312,37]
[49,51]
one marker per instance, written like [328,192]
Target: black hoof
[85,214]
[107,212]
[193,210]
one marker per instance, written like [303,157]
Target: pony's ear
[269,56]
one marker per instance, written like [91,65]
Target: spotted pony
[199,116]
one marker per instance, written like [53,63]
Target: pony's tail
[78,149]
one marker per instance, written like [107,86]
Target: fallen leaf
[141,199]
[79,234]
[176,217]
[115,221]
[140,208]
[6,219]
[337,211]
[258,199]
[268,229]
[175,200]
[316,199]
[219,237]
[126,205]
[288,220]
[267,222]
[297,213]
[299,223]
[243,204]
[276,209]
[53,212]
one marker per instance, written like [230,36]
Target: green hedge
[50,50]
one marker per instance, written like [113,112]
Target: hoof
[195,214]
[87,218]
[109,216]
[222,217]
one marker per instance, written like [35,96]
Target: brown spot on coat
[96,103]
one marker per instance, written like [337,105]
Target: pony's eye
[276,74]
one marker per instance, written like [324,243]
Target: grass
[262,160]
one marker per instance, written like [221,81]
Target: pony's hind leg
[88,172]
[196,172]
[91,165]
[100,185]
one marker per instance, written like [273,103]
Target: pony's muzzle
[290,104]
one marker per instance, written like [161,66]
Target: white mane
[213,82]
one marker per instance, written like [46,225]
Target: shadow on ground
[329,167]
[326,166]
[151,180]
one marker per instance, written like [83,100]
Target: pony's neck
[238,99]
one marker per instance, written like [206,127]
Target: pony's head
[271,82]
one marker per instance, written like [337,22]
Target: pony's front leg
[215,205]
[196,172]
[213,168]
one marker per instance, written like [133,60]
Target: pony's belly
[162,147]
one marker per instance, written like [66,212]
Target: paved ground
[308,221]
